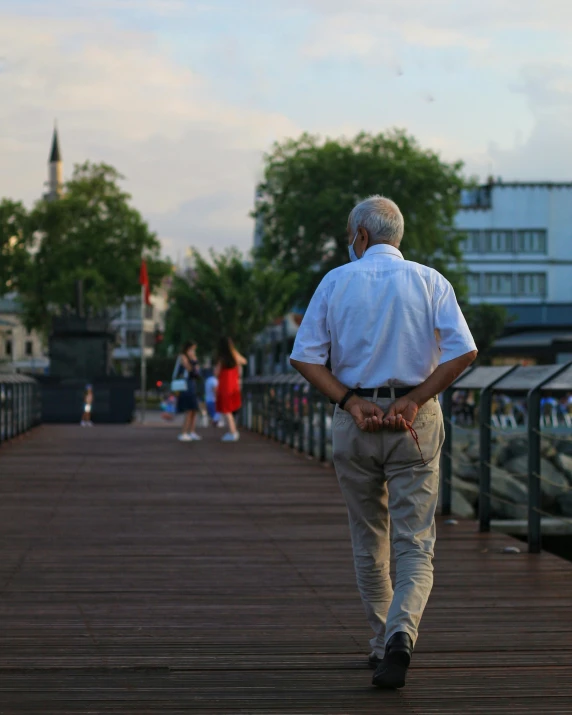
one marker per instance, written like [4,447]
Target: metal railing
[288,409]
[20,405]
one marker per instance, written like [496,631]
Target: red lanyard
[416,438]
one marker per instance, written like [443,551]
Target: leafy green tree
[14,241]
[226,297]
[92,233]
[487,322]
[310,187]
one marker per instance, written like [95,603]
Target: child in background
[211,384]
[87,403]
[169,407]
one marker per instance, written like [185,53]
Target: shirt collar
[383,248]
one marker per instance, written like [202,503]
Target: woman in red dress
[228,397]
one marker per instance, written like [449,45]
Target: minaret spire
[56,168]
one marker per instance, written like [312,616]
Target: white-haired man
[396,338]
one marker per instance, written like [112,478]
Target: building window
[133,339]
[531,241]
[499,284]
[474,283]
[148,312]
[133,311]
[531,284]
[29,348]
[472,242]
[8,348]
[149,340]
[498,241]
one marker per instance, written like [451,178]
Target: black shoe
[391,672]
[373,660]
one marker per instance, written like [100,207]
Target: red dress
[228,398]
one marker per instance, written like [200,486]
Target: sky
[184,97]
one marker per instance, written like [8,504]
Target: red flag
[144,281]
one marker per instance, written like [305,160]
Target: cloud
[119,98]
[364,27]
[545,152]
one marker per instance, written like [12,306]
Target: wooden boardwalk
[141,575]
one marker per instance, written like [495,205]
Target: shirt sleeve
[312,342]
[455,338]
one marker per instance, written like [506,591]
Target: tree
[310,187]
[14,240]
[92,233]
[487,322]
[226,297]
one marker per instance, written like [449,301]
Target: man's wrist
[346,398]
[418,398]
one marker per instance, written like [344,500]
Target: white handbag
[178,384]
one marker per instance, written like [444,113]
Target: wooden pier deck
[142,575]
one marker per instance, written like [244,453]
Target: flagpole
[143,359]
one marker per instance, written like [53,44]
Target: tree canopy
[92,233]
[14,241]
[310,187]
[226,296]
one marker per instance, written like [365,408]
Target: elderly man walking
[396,338]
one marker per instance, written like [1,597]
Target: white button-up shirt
[387,321]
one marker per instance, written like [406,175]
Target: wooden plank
[139,574]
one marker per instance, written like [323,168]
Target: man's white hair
[380,217]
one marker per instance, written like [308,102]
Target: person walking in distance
[87,407]
[228,397]
[187,368]
[396,338]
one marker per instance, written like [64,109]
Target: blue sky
[185,96]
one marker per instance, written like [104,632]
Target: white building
[20,348]
[127,327]
[518,250]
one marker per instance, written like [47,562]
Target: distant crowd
[222,391]
[511,412]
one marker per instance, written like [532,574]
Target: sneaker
[230,437]
[90,424]
[195,437]
[185,437]
[83,423]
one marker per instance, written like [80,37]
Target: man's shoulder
[427,272]
[335,274]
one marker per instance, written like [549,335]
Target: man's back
[380,317]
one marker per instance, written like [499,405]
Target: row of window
[516,285]
[505,241]
[133,339]
[29,348]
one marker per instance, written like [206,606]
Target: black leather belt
[382,391]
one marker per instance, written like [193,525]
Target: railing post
[446,454]
[534,486]
[13,410]
[265,410]
[292,439]
[2,393]
[322,428]
[301,431]
[272,410]
[311,420]
[485,457]
[485,452]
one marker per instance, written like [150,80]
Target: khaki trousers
[383,479]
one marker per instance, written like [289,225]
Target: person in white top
[396,338]
[211,384]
